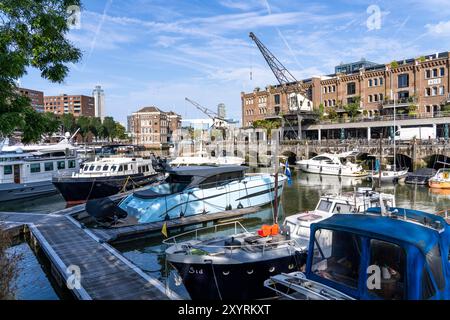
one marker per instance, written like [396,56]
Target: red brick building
[78,105]
[422,82]
[36,97]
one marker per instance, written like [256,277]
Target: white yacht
[109,175]
[332,164]
[206,161]
[328,205]
[26,170]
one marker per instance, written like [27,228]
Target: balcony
[402,102]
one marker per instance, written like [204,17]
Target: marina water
[300,195]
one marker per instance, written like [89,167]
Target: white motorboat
[108,175]
[195,190]
[298,225]
[390,175]
[26,171]
[332,164]
[206,161]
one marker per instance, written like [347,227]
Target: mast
[275,202]
[381,156]
[393,96]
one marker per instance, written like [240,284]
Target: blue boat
[400,254]
[195,190]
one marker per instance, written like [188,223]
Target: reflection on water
[32,284]
[302,194]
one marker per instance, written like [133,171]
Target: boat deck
[104,273]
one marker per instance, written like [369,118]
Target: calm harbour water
[302,194]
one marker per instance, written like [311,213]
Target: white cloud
[440,29]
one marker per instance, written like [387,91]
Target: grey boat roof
[205,171]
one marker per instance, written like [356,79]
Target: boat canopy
[394,227]
[181,178]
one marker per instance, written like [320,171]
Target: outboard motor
[105,210]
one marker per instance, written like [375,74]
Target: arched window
[370,82]
[370,98]
[381,97]
[325,102]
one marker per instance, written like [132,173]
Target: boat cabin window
[147,169]
[98,168]
[85,168]
[7,170]
[343,208]
[35,167]
[320,158]
[390,258]
[324,205]
[125,167]
[120,168]
[434,261]
[105,167]
[113,168]
[221,179]
[61,165]
[337,256]
[48,166]
[72,163]
[91,168]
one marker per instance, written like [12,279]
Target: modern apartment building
[78,105]
[152,127]
[99,101]
[421,82]
[36,97]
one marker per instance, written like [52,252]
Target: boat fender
[225,273]
[250,271]
[228,207]
[240,206]
[320,168]
[272,269]
[307,166]
[340,171]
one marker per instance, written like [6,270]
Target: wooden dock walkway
[105,274]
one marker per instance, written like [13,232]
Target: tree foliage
[267,124]
[352,108]
[32,34]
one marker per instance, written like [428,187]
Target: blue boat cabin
[403,254]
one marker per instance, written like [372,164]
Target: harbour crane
[290,86]
[218,122]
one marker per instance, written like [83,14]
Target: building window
[442,72]
[403,80]
[375,82]
[370,98]
[334,88]
[370,82]
[61,165]
[7,170]
[441,91]
[351,88]
[375,97]
[325,102]
[334,102]
[428,109]
[435,73]
[48,166]
[381,81]
[427,74]
[381,97]
[276,99]
[427,92]
[434,91]
[35,167]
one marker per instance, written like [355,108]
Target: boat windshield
[324,205]
[343,208]
[337,256]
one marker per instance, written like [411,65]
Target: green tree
[332,114]
[68,123]
[109,128]
[83,123]
[352,108]
[119,132]
[95,127]
[267,124]
[32,34]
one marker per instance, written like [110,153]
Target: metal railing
[194,235]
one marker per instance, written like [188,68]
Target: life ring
[445,175]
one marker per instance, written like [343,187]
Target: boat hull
[439,184]
[241,281]
[79,190]
[18,191]
[330,170]
[248,192]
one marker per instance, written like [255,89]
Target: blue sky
[157,52]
